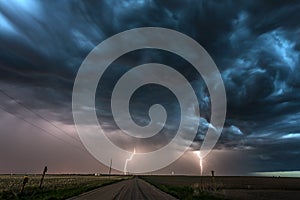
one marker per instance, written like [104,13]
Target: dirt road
[129,189]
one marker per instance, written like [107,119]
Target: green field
[230,187]
[54,186]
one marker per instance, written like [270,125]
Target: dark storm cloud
[255,45]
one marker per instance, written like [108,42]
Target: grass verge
[183,192]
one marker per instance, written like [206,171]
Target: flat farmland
[54,186]
[221,187]
[180,187]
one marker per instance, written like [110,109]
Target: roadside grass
[184,192]
[55,187]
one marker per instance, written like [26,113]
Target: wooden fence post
[25,180]
[42,179]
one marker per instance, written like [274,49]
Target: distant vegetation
[55,187]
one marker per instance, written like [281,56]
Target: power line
[44,130]
[37,114]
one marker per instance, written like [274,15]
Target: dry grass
[54,186]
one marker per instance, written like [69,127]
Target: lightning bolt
[127,160]
[198,153]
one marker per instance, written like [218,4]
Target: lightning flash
[198,153]
[127,160]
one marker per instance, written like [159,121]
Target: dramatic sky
[255,44]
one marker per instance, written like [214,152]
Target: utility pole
[110,167]
[213,180]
